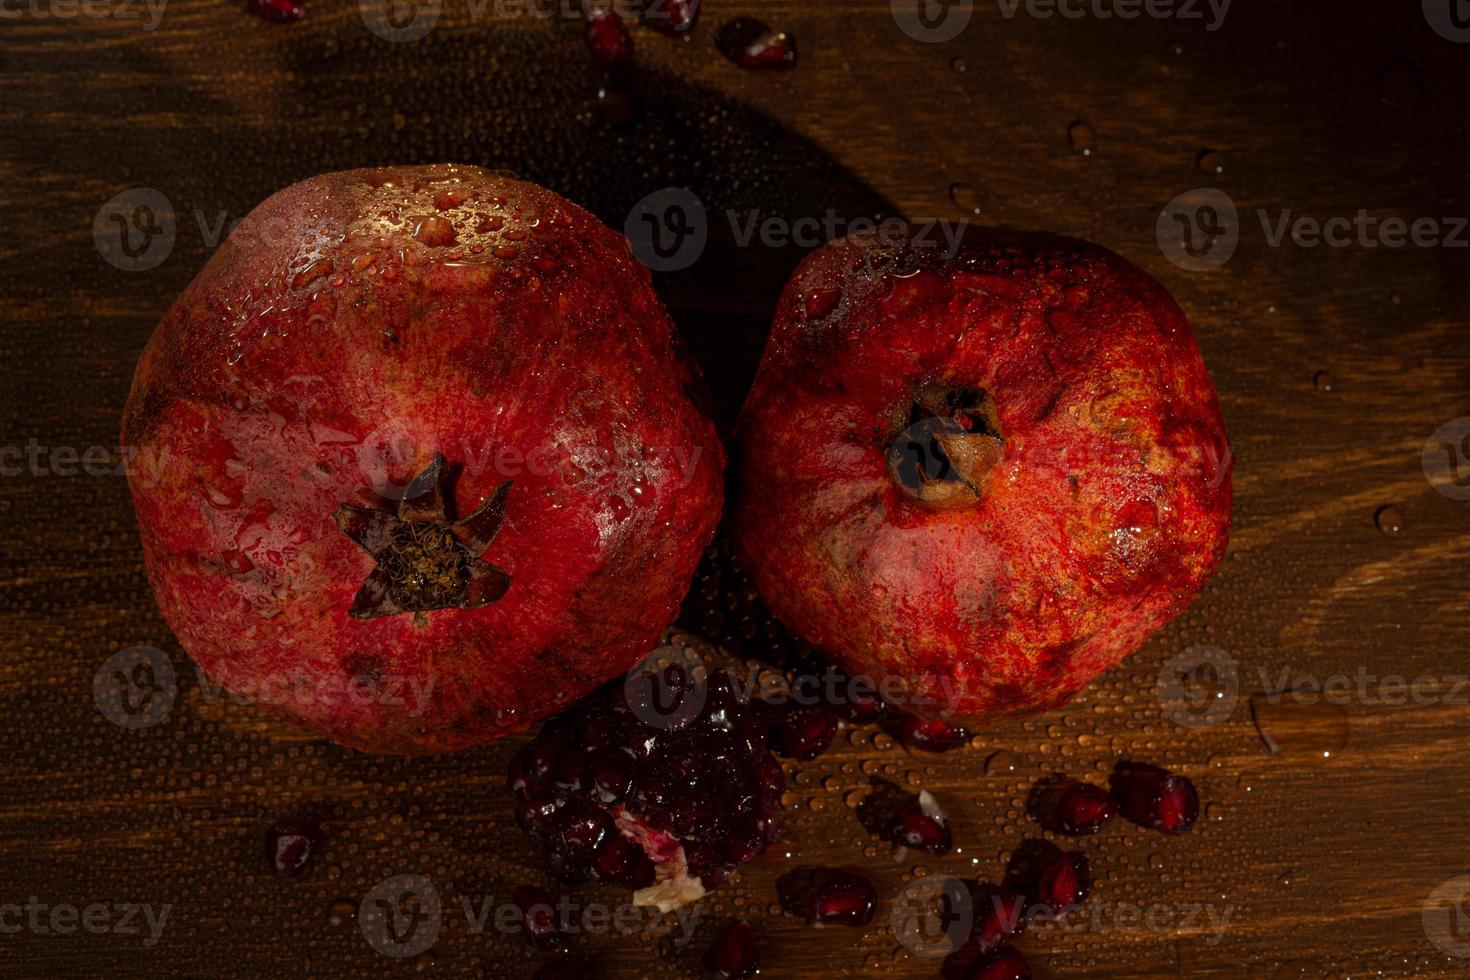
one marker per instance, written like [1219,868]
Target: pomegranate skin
[979,478]
[352,328]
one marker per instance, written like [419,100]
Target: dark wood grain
[1334,366]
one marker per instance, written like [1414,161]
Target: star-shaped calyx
[425,559]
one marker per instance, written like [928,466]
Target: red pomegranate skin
[1087,499]
[353,326]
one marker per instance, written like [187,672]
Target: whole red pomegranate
[421,464]
[980,478]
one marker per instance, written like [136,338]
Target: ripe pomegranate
[828,895]
[1066,806]
[424,465]
[1005,963]
[921,823]
[732,956]
[987,474]
[662,784]
[1054,881]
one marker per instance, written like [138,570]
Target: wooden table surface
[1328,827]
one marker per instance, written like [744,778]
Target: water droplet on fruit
[1082,136]
[434,231]
[965,197]
[1300,723]
[1212,162]
[1389,519]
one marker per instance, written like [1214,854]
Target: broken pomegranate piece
[921,823]
[828,895]
[732,955]
[662,784]
[1154,797]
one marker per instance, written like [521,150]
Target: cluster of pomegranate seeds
[751,43]
[540,921]
[732,955]
[1052,880]
[1005,963]
[1155,798]
[922,824]
[927,736]
[279,11]
[289,846]
[671,17]
[664,783]
[608,39]
[828,895]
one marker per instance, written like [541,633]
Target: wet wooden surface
[1335,366]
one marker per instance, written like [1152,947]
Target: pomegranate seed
[928,736]
[289,846]
[539,920]
[823,895]
[1005,963]
[751,43]
[1083,809]
[279,11]
[671,17]
[608,39]
[1052,880]
[921,823]
[805,731]
[732,955]
[998,914]
[1154,797]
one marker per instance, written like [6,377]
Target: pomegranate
[983,474]
[540,918]
[1054,881]
[998,914]
[662,784]
[425,467]
[828,895]
[933,735]
[732,955]
[672,17]
[1005,963]
[803,731]
[280,11]
[1154,797]
[608,40]
[1076,809]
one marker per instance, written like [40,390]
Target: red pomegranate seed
[805,731]
[732,955]
[289,846]
[998,914]
[751,43]
[1052,880]
[928,736]
[1154,797]
[921,823]
[540,923]
[279,11]
[671,17]
[823,895]
[608,39]
[1083,809]
[1005,963]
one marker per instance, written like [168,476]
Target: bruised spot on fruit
[945,445]
[425,561]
